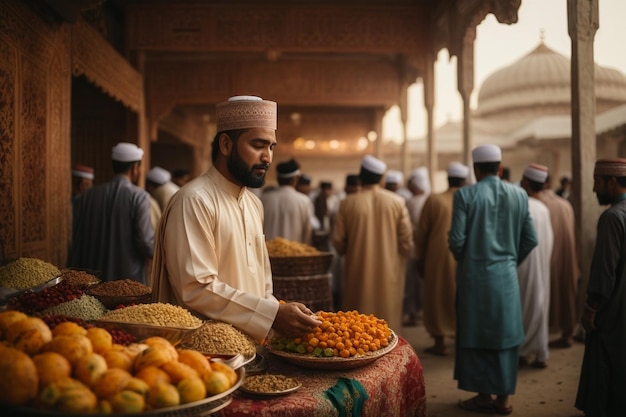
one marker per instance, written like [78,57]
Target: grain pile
[156,314]
[279,246]
[85,308]
[25,273]
[79,279]
[219,338]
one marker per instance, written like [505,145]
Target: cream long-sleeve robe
[534,282]
[288,214]
[373,230]
[211,257]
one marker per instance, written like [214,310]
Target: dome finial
[542,35]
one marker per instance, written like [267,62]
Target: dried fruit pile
[73,369]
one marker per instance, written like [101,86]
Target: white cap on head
[394,177]
[373,165]
[159,175]
[457,170]
[536,173]
[420,178]
[82,171]
[126,152]
[487,153]
[244,112]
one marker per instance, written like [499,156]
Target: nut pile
[25,273]
[77,278]
[268,383]
[219,338]
[282,247]
[156,314]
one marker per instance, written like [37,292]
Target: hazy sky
[499,45]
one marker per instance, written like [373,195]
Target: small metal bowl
[143,331]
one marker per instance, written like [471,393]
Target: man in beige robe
[435,262]
[373,230]
[210,254]
[564,271]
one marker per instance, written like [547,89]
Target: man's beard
[604,199]
[240,171]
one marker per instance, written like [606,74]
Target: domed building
[525,108]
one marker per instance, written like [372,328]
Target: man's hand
[294,320]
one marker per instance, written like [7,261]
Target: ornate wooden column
[403,104]
[582,16]
[429,104]
[465,80]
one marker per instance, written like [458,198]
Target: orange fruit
[90,368]
[29,334]
[118,359]
[178,371]
[216,383]
[19,381]
[127,402]
[163,395]
[196,360]
[226,370]
[101,339]
[51,367]
[152,375]
[68,328]
[137,385]
[72,347]
[77,400]
[154,355]
[111,382]
[8,317]
[191,390]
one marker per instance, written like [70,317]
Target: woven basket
[312,290]
[285,266]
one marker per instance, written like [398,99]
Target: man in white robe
[210,254]
[534,273]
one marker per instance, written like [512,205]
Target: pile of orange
[71,369]
[343,334]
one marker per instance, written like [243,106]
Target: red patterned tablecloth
[394,384]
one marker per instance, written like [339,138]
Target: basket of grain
[289,258]
[121,293]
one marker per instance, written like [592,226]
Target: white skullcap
[244,112]
[487,153]
[159,175]
[126,152]
[394,177]
[536,173]
[83,171]
[420,178]
[457,170]
[373,165]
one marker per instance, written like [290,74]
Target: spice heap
[79,279]
[25,273]
[279,246]
[269,383]
[343,334]
[120,288]
[219,338]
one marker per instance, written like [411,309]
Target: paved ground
[548,392]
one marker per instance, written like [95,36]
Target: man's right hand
[294,320]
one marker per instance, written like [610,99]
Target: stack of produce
[70,369]
[25,273]
[79,279]
[156,314]
[279,247]
[219,338]
[343,334]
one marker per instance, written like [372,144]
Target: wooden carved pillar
[583,23]
[429,104]
[403,103]
[465,81]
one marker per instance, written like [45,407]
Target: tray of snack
[344,340]
[269,385]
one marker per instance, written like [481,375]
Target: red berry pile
[33,302]
[119,336]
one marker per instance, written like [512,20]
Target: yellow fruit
[226,370]
[137,385]
[29,334]
[152,375]
[77,400]
[19,382]
[111,382]
[68,328]
[101,339]
[118,359]
[135,349]
[216,382]
[127,402]
[51,367]
[163,395]
[196,360]
[51,393]
[72,347]
[162,343]
[178,371]
[90,368]
[152,356]
[7,318]
[104,407]
[191,389]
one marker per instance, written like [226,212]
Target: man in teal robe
[491,233]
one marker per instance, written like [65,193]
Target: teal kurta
[603,374]
[491,233]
